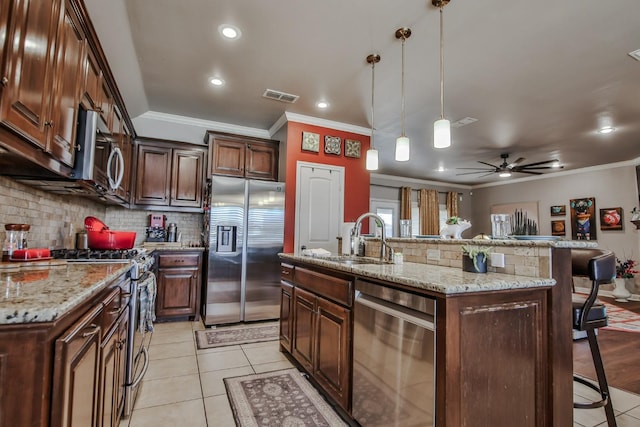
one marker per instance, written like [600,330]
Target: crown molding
[404,180]
[560,174]
[207,124]
[315,121]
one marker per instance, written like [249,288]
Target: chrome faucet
[385,248]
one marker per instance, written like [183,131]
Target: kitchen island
[503,352]
[63,331]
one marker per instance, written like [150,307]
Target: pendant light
[402,142]
[372,153]
[442,126]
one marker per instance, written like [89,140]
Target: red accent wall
[356,180]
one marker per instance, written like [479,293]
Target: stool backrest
[602,268]
[580,258]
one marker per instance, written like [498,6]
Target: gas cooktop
[96,255]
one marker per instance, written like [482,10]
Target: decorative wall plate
[332,145]
[311,142]
[352,148]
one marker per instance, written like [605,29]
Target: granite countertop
[36,293]
[444,280]
[170,246]
[559,243]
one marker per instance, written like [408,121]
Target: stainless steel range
[142,288]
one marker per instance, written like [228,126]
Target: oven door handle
[144,368]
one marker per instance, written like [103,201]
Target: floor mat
[620,319]
[239,334]
[278,398]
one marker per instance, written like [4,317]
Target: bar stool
[589,315]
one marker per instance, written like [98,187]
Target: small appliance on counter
[155,230]
[15,239]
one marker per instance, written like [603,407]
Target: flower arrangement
[624,269]
[473,251]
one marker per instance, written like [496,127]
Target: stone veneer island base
[503,339]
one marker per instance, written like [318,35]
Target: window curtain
[429,212]
[405,202]
[452,203]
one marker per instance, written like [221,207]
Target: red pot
[100,237]
[110,239]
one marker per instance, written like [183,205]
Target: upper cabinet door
[69,66]
[261,161]
[227,157]
[154,175]
[187,178]
[28,71]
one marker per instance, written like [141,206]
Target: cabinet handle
[49,123]
[95,330]
[5,81]
[115,311]
[286,273]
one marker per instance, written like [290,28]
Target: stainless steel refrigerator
[245,232]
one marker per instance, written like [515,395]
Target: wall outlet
[497,260]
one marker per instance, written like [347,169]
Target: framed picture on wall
[311,142]
[558,210]
[332,145]
[611,219]
[583,218]
[352,148]
[558,228]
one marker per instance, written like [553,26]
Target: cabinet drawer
[333,288]
[179,260]
[113,306]
[286,272]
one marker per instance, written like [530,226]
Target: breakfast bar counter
[503,346]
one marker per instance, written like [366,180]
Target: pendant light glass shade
[402,149]
[372,159]
[371,162]
[441,127]
[402,142]
[442,133]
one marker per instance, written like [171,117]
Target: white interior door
[319,206]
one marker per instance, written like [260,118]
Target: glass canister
[15,238]
[405,228]
[500,226]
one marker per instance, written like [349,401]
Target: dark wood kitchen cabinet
[321,332]
[179,283]
[170,174]
[51,64]
[77,373]
[246,157]
[54,370]
[42,84]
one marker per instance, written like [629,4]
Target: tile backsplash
[189,224]
[54,219]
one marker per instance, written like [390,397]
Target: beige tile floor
[184,387]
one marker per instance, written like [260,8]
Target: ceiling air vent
[463,122]
[280,96]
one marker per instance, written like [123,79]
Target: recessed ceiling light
[216,81]
[229,32]
[322,104]
[606,129]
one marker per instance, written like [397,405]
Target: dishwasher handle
[412,316]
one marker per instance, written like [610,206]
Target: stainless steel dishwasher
[394,353]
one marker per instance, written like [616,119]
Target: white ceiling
[540,77]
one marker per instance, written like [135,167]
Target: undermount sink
[354,260]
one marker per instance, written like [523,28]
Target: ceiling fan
[505,169]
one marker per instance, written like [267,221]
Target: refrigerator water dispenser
[226,238]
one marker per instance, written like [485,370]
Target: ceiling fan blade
[538,163]
[536,168]
[486,174]
[469,173]
[488,164]
[516,163]
[478,169]
[529,172]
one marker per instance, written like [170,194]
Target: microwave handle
[114,184]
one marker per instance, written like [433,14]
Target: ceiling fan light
[442,133]
[402,149]
[372,159]
[505,174]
